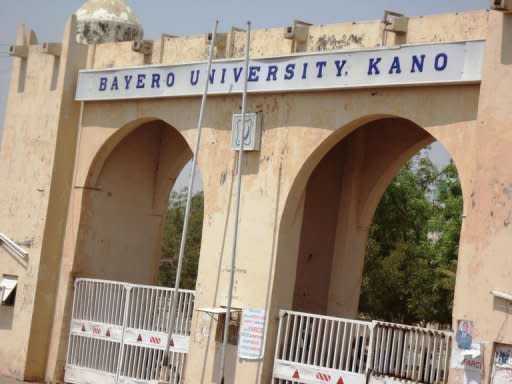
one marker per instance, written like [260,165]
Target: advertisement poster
[464,336]
[252,334]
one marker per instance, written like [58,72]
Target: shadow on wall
[6,316]
[506,49]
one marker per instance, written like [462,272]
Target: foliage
[172,238]
[411,256]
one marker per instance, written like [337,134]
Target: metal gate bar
[119,333]
[313,348]
[411,353]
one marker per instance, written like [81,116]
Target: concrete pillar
[486,238]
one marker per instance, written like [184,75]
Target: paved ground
[4,380]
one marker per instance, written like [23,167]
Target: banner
[406,65]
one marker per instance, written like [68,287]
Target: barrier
[411,353]
[322,349]
[313,348]
[118,333]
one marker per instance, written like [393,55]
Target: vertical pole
[175,296]
[237,208]
[128,289]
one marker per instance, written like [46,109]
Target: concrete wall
[36,164]
[486,241]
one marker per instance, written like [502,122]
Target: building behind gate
[88,160]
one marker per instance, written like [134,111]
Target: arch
[375,147]
[125,201]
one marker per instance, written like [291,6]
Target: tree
[172,237]
[411,256]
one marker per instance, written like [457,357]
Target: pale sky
[47,18]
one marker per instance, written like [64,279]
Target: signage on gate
[323,377]
[157,340]
[286,370]
[406,65]
[97,330]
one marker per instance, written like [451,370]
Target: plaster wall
[36,164]
[486,238]
[271,41]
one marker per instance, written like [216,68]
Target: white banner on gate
[442,63]
[157,340]
[97,330]
[309,374]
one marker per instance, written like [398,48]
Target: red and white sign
[97,330]
[323,377]
[308,374]
[157,340]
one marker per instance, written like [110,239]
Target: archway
[125,203]
[323,236]
[326,218]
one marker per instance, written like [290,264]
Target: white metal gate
[322,349]
[410,353]
[119,333]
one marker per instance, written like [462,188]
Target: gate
[411,353]
[322,349]
[119,333]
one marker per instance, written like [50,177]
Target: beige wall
[35,168]
[486,239]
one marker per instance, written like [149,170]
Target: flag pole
[237,207]
[174,298]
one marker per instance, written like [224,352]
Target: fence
[312,348]
[322,348]
[412,353]
[119,333]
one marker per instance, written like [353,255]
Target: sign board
[252,132]
[252,334]
[442,63]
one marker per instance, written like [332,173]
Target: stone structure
[85,184]
[106,21]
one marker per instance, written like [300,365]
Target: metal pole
[174,300]
[237,208]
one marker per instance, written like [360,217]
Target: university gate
[87,190]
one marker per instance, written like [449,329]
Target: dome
[103,21]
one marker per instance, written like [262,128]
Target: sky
[192,17]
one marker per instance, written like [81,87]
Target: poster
[502,369]
[252,334]
[464,336]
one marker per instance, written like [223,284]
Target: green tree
[172,237]
[411,256]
